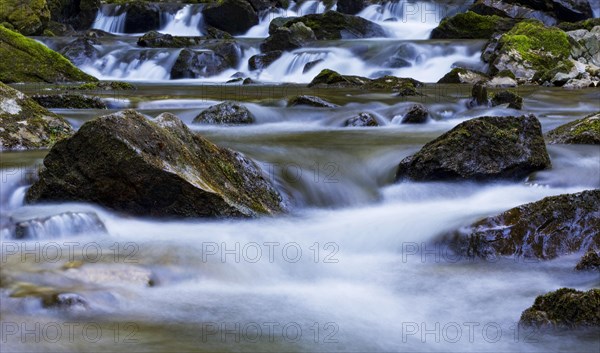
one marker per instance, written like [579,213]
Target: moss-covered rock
[582,131]
[470,25]
[362,120]
[586,24]
[26,125]
[310,101]
[333,25]
[479,95]
[154,39]
[544,229]
[227,113]
[565,308]
[68,101]
[513,100]
[330,78]
[531,50]
[28,17]
[25,60]
[589,262]
[486,148]
[157,168]
[104,86]
[460,75]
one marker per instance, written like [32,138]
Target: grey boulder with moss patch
[486,148]
[584,131]
[545,229]
[24,124]
[158,168]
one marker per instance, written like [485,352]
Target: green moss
[543,47]
[471,25]
[564,308]
[28,17]
[581,131]
[25,60]
[586,24]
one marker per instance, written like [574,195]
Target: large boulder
[333,25]
[227,113]
[350,7]
[480,149]
[565,308]
[582,131]
[417,114]
[288,38]
[531,52]
[26,125]
[470,25]
[69,101]
[28,17]
[545,229]
[154,39]
[158,168]
[232,16]
[141,16]
[25,60]
[78,13]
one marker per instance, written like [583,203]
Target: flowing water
[355,267]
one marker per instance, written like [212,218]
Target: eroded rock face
[26,125]
[582,131]
[471,25]
[158,168]
[227,113]
[545,229]
[565,308]
[486,148]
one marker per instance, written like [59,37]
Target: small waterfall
[595,4]
[185,22]
[56,226]
[134,64]
[424,62]
[261,30]
[406,19]
[108,19]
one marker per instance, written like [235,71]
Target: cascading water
[185,22]
[109,20]
[406,19]
[261,30]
